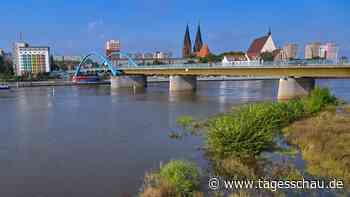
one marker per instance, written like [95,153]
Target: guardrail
[296,63]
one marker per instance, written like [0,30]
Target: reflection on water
[188,96]
[91,141]
[126,91]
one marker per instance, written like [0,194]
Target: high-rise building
[186,49]
[327,51]
[198,43]
[313,50]
[112,46]
[290,50]
[30,59]
[15,55]
[331,51]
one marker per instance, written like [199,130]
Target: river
[90,141]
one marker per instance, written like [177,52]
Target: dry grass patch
[346,109]
[324,141]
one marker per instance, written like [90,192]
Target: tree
[157,62]
[318,58]
[267,56]
[53,64]
[232,53]
[211,58]
[5,66]
[2,64]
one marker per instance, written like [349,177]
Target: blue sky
[76,27]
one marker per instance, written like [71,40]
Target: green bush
[284,113]
[318,99]
[183,176]
[248,130]
[184,121]
[252,129]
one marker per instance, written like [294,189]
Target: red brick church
[199,50]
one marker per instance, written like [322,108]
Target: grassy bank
[235,141]
[251,129]
[324,141]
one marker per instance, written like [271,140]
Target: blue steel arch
[130,60]
[105,61]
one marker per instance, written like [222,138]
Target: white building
[238,60]
[161,55]
[261,45]
[147,55]
[67,58]
[30,59]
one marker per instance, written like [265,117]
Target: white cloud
[93,25]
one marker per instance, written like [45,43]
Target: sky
[76,27]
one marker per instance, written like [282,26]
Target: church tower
[198,43]
[186,49]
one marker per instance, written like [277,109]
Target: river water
[90,141]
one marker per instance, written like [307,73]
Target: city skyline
[76,27]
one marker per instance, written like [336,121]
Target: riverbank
[248,144]
[324,142]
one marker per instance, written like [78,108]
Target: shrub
[183,176]
[318,99]
[176,178]
[184,121]
[251,129]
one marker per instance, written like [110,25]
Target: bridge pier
[182,83]
[128,81]
[290,88]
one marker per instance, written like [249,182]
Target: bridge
[297,78]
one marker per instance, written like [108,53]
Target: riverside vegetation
[235,143]
[177,178]
[253,128]
[324,142]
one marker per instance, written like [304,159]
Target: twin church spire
[198,43]
[186,49]
[187,46]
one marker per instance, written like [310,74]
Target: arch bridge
[105,62]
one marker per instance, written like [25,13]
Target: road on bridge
[315,71]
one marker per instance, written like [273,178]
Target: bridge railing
[298,63]
[239,64]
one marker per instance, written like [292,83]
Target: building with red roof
[261,45]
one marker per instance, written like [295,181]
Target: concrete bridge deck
[314,71]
